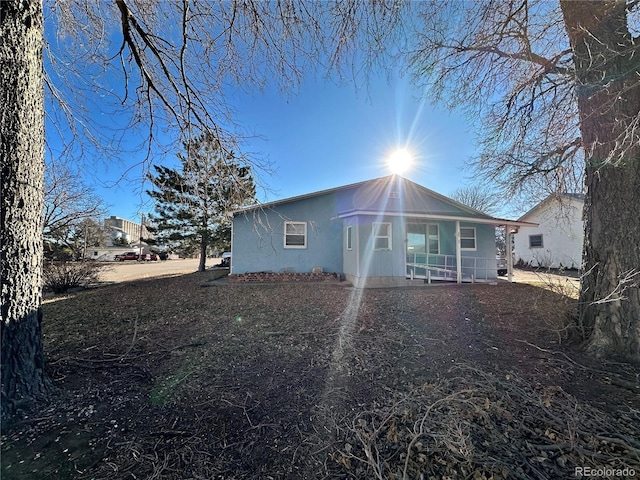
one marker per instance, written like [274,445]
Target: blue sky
[325,135]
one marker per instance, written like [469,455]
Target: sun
[400,161]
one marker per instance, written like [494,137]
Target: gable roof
[579,197]
[393,195]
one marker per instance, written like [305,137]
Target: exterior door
[423,244]
[416,250]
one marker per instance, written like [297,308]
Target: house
[557,240]
[386,231]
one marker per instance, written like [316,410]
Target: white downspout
[458,253]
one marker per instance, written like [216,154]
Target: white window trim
[389,230]
[348,237]
[284,240]
[475,240]
[541,240]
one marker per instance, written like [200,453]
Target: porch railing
[443,267]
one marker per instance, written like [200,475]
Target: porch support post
[509,254]
[458,254]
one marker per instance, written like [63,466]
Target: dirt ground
[188,377]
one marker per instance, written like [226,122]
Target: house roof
[393,195]
[554,196]
[304,196]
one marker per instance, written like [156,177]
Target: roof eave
[481,220]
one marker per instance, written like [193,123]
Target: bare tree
[558,88]
[67,200]
[163,67]
[479,198]
[487,201]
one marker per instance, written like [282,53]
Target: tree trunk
[204,241]
[608,94]
[22,156]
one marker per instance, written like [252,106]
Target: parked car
[126,256]
[226,260]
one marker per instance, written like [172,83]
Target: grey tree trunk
[204,241]
[22,156]
[608,87]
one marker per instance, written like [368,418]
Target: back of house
[386,231]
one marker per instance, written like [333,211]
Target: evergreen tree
[193,203]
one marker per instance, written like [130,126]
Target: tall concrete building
[123,231]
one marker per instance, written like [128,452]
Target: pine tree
[193,203]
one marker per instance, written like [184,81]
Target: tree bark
[608,95]
[204,241]
[22,156]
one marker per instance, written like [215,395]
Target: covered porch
[429,257]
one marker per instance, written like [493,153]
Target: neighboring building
[387,231]
[124,231]
[557,241]
[123,236]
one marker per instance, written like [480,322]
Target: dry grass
[184,377]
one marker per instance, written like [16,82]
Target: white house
[557,241]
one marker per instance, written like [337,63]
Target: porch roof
[435,216]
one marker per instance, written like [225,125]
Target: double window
[467,238]
[295,234]
[381,236]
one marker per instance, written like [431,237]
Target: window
[349,238]
[467,238]
[295,234]
[433,238]
[535,241]
[381,236]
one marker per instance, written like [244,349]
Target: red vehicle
[126,256]
[148,257]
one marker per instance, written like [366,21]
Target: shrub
[59,277]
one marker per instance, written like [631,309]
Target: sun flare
[400,161]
